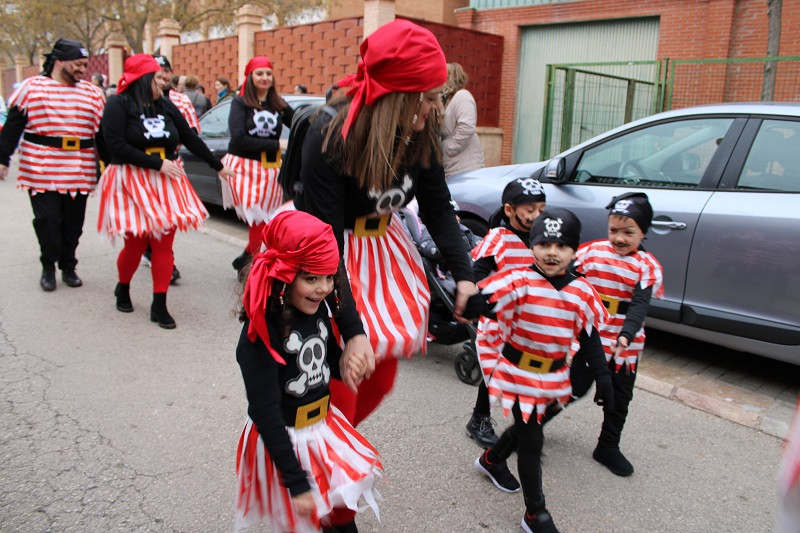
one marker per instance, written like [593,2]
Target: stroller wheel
[467,368]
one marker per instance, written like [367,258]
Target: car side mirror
[555,170]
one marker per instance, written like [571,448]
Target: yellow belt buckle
[312,413]
[271,164]
[158,150]
[371,226]
[535,363]
[612,304]
[70,143]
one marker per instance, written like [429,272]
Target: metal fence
[585,99]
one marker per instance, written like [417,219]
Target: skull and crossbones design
[390,201]
[552,227]
[154,126]
[622,206]
[311,360]
[266,121]
[531,186]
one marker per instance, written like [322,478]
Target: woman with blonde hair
[359,168]
[461,146]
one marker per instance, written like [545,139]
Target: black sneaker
[499,473]
[542,522]
[613,459]
[479,429]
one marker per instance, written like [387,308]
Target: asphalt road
[111,423]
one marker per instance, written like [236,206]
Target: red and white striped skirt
[509,383]
[390,290]
[142,201]
[254,192]
[342,467]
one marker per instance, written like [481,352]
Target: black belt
[308,414]
[65,143]
[532,362]
[614,305]
[161,152]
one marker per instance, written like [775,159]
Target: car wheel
[475,225]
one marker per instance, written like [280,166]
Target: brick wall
[315,55]
[689,29]
[208,60]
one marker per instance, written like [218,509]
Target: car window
[674,154]
[214,124]
[773,163]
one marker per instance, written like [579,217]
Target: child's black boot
[123,293]
[159,313]
[479,429]
[612,458]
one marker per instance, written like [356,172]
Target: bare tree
[774,8]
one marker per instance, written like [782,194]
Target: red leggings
[254,238]
[161,262]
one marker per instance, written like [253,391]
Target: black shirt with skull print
[256,130]
[275,391]
[127,134]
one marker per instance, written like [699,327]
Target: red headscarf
[295,240]
[398,57]
[135,67]
[256,62]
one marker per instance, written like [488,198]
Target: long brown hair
[274,100]
[381,140]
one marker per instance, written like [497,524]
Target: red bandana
[253,64]
[295,240]
[398,57]
[135,67]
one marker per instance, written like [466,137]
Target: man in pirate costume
[535,317]
[57,115]
[626,277]
[505,246]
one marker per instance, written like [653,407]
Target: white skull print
[531,186]
[391,200]
[311,360]
[622,205]
[154,126]
[266,121]
[552,227]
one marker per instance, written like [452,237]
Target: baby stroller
[443,328]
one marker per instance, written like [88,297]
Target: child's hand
[304,504]
[359,349]
[620,346]
[604,393]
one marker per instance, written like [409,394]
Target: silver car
[724,182]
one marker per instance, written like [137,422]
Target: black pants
[58,222]
[527,439]
[482,406]
[613,421]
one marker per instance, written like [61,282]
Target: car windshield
[674,154]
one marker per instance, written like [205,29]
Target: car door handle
[669,224]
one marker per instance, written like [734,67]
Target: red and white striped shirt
[505,247]
[534,317]
[617,276]
[186,108]
[58,110]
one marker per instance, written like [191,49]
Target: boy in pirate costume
[539,313]
[626,277]
[505,246]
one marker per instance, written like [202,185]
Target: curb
[773,420]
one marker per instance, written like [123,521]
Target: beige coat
[461,146]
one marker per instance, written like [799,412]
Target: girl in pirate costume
[254,153]
[505,246]
[376,154]
[626,277]
[535,316]
[145,195]
[300,464]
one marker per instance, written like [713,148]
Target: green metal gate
[585,99]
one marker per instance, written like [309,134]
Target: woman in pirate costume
[145,195]
[254,153]
[300,464]
[376,154]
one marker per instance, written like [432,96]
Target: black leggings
[58,222]
[527,439]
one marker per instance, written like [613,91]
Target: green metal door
[611,40]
